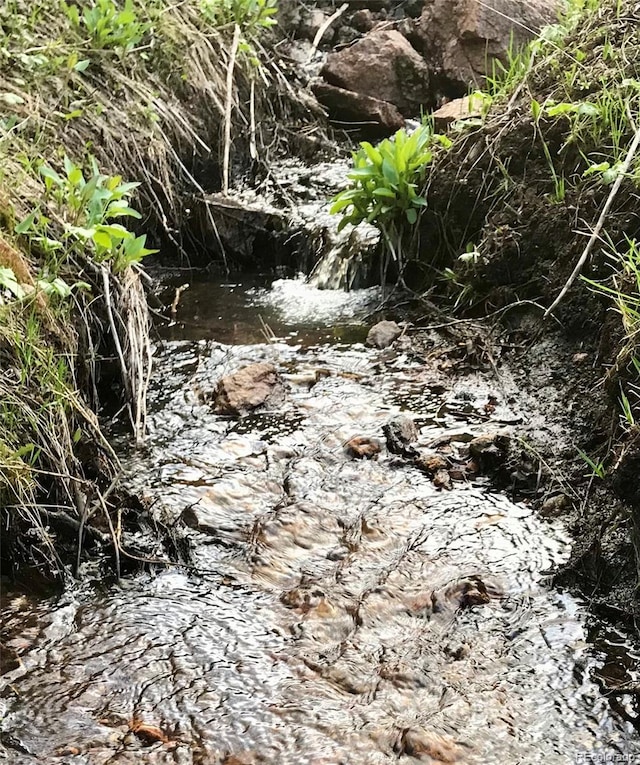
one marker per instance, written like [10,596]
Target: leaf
[384,192]
[412,215]
[599,168]
[81,66]
[9,281]
[11,99]
[373,154]
[102,239]
[535,109]
[27,224]
[561,109]
[115,231]
[588,110]
[75,177]
[73,115]
[361,173]
[47,172]
[390,172]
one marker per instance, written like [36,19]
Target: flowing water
[337,610]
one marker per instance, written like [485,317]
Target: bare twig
[228,109]
[323,28]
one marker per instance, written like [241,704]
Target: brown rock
[422,743]
[489,450]
[555,506]
[442,480]
[373,117]
[458,109]
[382,65]
[460,39]
[253,386]
[382,334]
[363,20]
[431,463]
[361,446]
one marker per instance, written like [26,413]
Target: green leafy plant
[107,25]
[252,16]
[88,208]
[384,183]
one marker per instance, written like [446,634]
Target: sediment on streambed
[114,118]
[543,176]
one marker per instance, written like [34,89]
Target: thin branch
[228,109]
[323,29]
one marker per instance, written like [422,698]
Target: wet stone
[400,433]
[363,447]
[382,334]
[489,450]
[253,386]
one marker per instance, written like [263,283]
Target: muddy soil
[334,609]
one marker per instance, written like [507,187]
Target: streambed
[336,610]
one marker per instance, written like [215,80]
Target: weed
[9,284]
[87,208]
[384,185]
[107,25]
[598,469]
[559,184]
[252,16]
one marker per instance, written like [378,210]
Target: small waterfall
[345,262]
[300,196]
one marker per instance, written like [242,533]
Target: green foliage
[559,184]
[625,294]
[385,180]
[252,16]
[598,469]
[10,284]
[107,25]
[384,189]
[87,206]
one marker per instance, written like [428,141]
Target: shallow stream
[338,610]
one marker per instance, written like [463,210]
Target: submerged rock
[382,334]
[253,386]
[362,446]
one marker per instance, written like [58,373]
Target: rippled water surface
[337,610]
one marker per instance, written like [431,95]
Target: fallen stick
[323,29]
[599,225]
